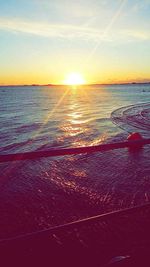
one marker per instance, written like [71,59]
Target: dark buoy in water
[134,137]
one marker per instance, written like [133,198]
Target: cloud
[46,29]
[138,35]
[68,31]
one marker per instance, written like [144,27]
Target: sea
[46,192]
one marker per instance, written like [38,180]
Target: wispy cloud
[48,30]
[138,34]
[68,31]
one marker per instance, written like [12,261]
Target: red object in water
[134,137]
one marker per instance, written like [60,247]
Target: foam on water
[133,118]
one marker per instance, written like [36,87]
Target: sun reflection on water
[75,115]
[79,127]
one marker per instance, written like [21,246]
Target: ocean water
[38,194]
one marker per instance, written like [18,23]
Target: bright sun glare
[74,79]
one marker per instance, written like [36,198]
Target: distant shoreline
[49,85]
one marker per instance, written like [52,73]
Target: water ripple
[133,118]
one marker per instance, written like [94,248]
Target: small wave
[15,146]
[132,118]
[29,127]
[102,120]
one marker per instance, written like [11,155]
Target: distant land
[49,84]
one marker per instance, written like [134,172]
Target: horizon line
[51,84]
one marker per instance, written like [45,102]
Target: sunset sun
[74,79]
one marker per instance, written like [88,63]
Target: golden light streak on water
[71,185]
[73,126]
[56,106]
[15,164]
[51,114]
[79,117]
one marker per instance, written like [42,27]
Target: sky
[106,41]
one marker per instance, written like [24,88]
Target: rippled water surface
[42,193]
